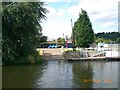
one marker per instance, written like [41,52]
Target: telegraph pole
[63,40]
[73,36]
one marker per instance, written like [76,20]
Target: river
[62,74]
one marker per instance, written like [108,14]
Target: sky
[103,15]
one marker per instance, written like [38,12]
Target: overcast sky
[102,13]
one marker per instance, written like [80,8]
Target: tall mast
[73,36]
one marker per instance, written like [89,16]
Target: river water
[62,74]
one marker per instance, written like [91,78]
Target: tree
[20,30]
[60,40]
[118,40]
[84,34]
[43,39]
[108,35]
[97,40]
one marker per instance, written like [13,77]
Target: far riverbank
[69,54]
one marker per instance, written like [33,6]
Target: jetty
[84,55]
[105,55]
[95,58]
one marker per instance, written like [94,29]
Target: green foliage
[97,40]
[20,30]
[108,35]
[84,34]
[118,40]
[60,40]
[42,39]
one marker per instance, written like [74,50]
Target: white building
[112,50]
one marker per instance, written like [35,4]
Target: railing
[100,54]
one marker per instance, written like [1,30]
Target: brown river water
[62,74]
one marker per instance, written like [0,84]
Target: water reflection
[107,72]
[20,76]
[56,75]
[61,74]
[83,74]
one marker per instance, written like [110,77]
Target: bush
[118,40]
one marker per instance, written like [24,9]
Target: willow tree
[20,30]
[84,34]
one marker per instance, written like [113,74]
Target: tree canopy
[118,40]
[84,34]
[104,40]
[108,35]
[21,30]
[61,40]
